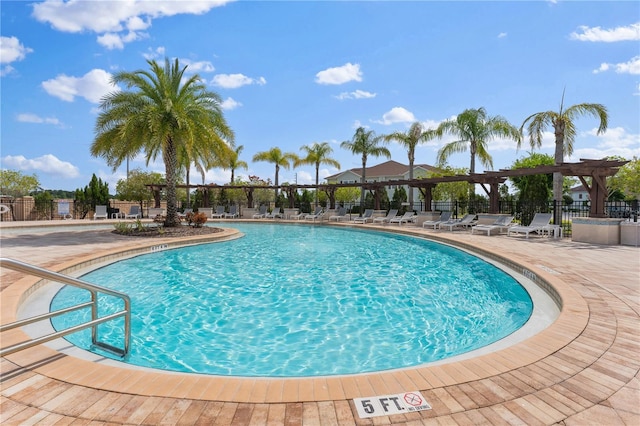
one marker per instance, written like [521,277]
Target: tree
[233,162]
[627,180]
[96,193]
[275,156]
[365,143]
[533,188]
[409,140]
[166,114]
[563,123]
[474,129]
[17,184]
[449,191]
[134,187]
[317,154]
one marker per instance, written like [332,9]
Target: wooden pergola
[595,170]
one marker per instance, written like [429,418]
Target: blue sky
[293,73]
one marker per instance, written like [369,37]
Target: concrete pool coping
[570,327]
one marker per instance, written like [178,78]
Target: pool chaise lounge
[391,215]
[219,214]
[502,223]
[341,214]
[315,215]
[262,212]
[366,216]
[101,212]
[539,225]
[134,213]
[233,212]
[405,218]
[275,213]
[466,221]
[444,217]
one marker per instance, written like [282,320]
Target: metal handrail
[93,304]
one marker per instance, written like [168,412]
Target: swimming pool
[296,300]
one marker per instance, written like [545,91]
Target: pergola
[596,170]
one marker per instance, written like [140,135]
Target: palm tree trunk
[276,184]
[557,176]
[188,190]
[411,160]
[232,175]
[171,165]
[317,172]
[364,179]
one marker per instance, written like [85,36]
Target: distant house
[387,171]
[579,194]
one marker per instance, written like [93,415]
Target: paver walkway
[582,370]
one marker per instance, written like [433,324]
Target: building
[387,171]
[579,194]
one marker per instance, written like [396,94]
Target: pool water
[299,300]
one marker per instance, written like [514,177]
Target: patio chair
[538,225]
[341,214]
[101,212]
[316,215]
[366,216]
[444,217]
[501,223]
[405,218]
[185,213]
[219,214]
[465,222]
[134,213]
[233,212]
[275,213]
[391,215]
[262,212]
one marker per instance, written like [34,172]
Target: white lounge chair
[391,215]
[262,212]
[219,214]
[341,214]
[134,213]
[466,221]
[101,213]
[444,217]
[275,213]
[316,215]
[185,213]
[405,218]
[298,216]
[233,212]
[501,223]
[538,225]
[366,216]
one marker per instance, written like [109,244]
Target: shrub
[196,219]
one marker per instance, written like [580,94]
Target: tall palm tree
[233,163]
[317,154]
[474,129]
[409,140]
[165,114]
[565,132]
[277,157]
[365,143]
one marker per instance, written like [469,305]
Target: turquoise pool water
[298,300]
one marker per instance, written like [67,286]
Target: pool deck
[583,369]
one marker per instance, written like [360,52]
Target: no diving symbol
[412,399]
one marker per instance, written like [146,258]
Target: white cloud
[116,22]
[12,50]
[637,93]
[597,34]
[340,75]
[33,118]
[630,67]
[396,115]
[502,35]
[196,67]
[154,53]
[230,103]
[615,141]
[48,164]
[356,94]
[233,81]
[92,86]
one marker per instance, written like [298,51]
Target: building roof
[579,188]
[388,168]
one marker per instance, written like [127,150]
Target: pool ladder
[93,304]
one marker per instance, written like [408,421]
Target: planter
[630,234]
[596,230]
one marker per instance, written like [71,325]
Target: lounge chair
[405,218]
[444,217]
[185,213]
[134,213]
[233,212]
[298,216]
[366,216]
[101,212]
[316,215]
[391,215]
[539,224]
[262,212]
[275,213]
[501,223]
[219,214]
[340,214]
[466,221]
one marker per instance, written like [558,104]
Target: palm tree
[474,129]
[317,154]
[162,115]
[410,139]
[275,156]
[366,143]
[565,132]
[234,162]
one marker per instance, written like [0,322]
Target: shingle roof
[388,168]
